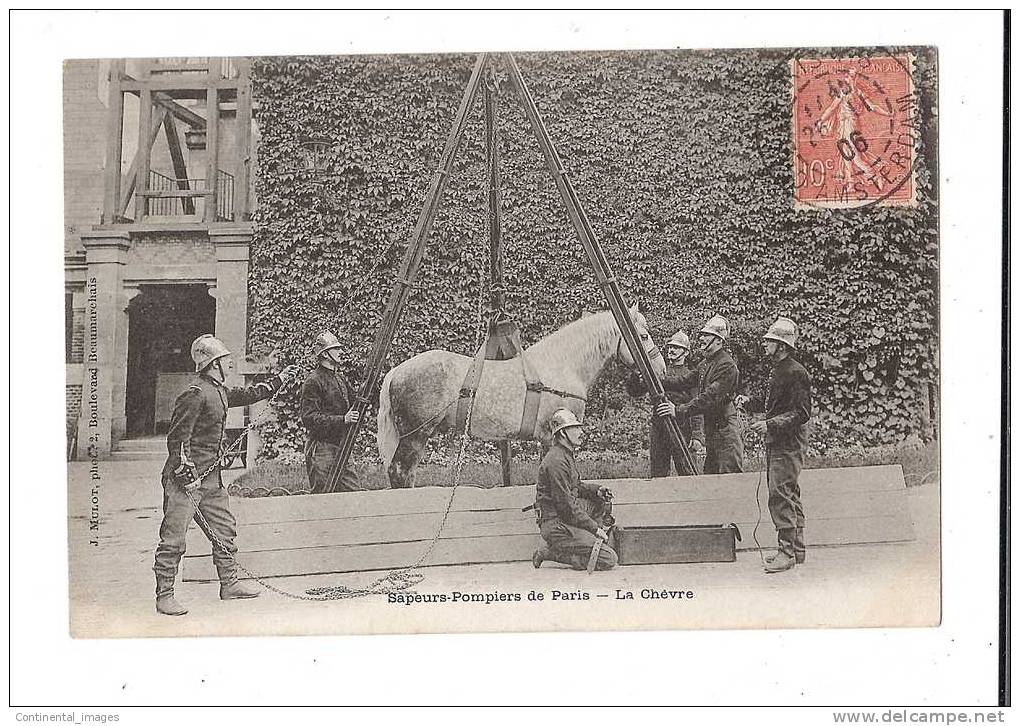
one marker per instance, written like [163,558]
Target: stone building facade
[153,254]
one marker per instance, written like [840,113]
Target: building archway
[163,320]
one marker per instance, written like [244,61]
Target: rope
[400,580]
[745,430]
[405,578]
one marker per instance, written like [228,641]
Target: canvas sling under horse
[506,336]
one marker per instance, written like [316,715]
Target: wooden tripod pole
[408,271]
[597,258]
[497,297]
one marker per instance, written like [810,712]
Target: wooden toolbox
[677,544]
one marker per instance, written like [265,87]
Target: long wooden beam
[144,151]
[596,256]
[173,141]
[497,296]
[114,142]
[177,83]
[242,151]
[408,270]
[212,147]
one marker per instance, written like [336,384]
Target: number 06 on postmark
[855,131]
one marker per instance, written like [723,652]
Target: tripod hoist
[503,339]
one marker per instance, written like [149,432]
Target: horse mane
[594,337]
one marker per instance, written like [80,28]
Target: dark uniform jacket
[326,397]
[680,385]
[559,489]
[788,406]
[198,422]
[718,382]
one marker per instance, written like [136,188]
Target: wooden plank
[173,141]
[360,558]
[504,548]
[114,142]
[132,175]
[414,527]
[212,145]
[829,482]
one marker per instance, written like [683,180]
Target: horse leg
[406,458]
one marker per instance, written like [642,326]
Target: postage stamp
[854,131]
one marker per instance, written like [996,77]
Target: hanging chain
[399,580]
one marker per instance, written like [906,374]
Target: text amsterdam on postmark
[854,131]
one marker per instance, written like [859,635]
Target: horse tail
[387,437]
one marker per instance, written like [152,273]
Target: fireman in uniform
[192,485]
[680,384]
[569,510]
[326,413]
[718,382]
[787,409]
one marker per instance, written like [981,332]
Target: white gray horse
[419,397]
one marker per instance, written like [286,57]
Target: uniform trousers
[211,500]
[783,468]
[724,450]
[572,546]
[320,457]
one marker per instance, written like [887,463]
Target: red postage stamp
[854,130]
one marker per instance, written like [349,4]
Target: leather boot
[235,590]
[798,557]
[799,550]
[540,556]
[166,604]
[782,562]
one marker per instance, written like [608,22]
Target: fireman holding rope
[192,485]
[787,409]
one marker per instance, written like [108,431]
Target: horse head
[623,353]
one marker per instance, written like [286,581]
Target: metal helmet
[679,340]
[206,349]
[325,341]
[783,330]
[718,326]
[562,418]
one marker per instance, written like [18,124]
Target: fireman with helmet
[717,386]
[327,412]
[570,511]
[191,476]
[787,409]
[680,384]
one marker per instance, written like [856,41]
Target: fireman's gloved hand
[186,477]
[288,374]
[352,416]
[697,447]
[666,408]
[602,534]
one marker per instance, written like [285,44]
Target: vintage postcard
[502,342]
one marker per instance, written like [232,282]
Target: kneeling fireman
[569,510]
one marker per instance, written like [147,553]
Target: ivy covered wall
[683,162]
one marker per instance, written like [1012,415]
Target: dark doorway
[163,320]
